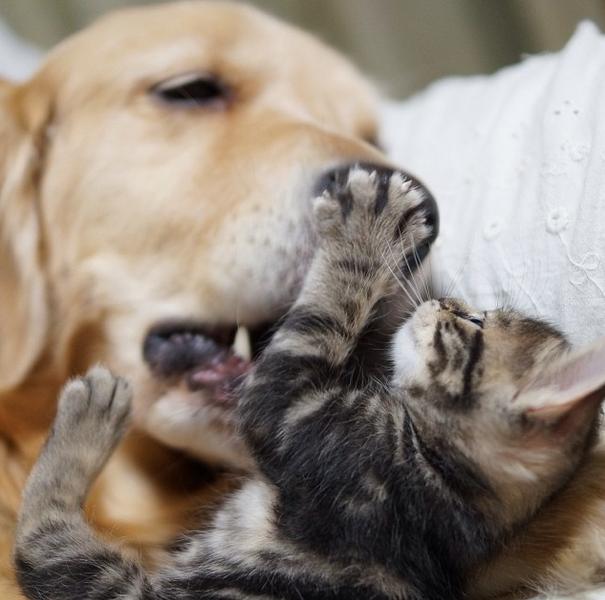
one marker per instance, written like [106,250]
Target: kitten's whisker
[502,299]
[423,278]
[454,281]
[388,259]
[411,280]
[415,270]
[428,276]
[400,283]
[412,277]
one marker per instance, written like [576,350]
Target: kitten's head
[504,396]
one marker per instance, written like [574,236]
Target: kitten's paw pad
[94,409]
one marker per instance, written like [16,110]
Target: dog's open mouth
[214,360]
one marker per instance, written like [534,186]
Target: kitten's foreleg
[370,228]
[367,231]
[57,556]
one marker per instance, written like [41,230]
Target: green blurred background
[402,44]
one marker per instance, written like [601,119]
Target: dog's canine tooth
[241,344]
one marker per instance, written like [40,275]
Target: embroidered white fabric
[516,161]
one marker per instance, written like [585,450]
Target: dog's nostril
[331,180]
[337,178]
[432,212]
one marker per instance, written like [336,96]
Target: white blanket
[516,161]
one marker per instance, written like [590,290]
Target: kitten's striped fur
[362,492]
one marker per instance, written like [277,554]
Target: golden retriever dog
[156,176]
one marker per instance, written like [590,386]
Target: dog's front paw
[378,213]
[93,413]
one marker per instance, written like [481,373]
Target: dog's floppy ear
[24,114]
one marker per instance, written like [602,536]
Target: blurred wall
[402,44]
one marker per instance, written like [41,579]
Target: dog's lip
[203,356]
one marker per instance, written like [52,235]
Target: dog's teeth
[241,344]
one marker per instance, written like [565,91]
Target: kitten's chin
[405,353]
[410,340]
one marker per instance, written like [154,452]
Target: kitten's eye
[192,90]
[474,319]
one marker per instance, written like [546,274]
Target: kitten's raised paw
[94,411]
[377,211]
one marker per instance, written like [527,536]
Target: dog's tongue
[222,372]
[220,376]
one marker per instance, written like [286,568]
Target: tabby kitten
[372,492]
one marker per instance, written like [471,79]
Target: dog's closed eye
[192,90]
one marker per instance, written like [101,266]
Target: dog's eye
[191,90]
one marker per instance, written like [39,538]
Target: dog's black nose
[335,181]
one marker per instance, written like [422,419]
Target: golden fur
[117,211]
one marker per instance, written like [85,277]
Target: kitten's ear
[564,399]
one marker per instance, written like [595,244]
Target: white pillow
[516,161]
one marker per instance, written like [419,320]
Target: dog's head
[156,177]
